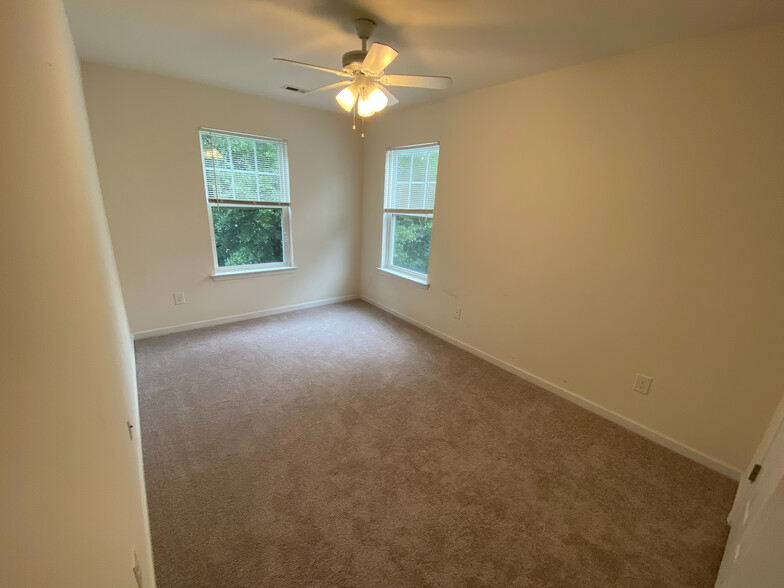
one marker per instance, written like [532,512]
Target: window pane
[242,156]
[248,236]
[417,196]
[218,183]
[419,173]
[433,169]
[411,242]
[267,157]
[245,186]
[269,187]
[402,193]
[215,151]
[404,167]
[209,181]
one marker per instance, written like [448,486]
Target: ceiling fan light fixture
[347,96]
[363,90]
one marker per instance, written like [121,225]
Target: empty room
[371,293]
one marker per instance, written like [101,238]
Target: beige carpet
[339,446]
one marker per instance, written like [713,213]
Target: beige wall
[72,504]
[145,131]
[615,217]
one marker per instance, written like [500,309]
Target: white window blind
[244,169]
[411,174]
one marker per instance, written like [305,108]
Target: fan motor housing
[352,60]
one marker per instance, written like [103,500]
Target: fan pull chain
[354,112]
[363,127]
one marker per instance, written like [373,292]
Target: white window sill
[235,275]
[419,282]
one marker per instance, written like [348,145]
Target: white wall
[145,131]
[72,503]
[615,217]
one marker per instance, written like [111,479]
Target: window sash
[408,193]
[389,237]
[286,241]
[225,169]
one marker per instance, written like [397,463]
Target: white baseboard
[239,317]
[694,454]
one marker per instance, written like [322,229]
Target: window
[409,198]
[246,179]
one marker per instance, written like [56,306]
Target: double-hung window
[409,199]
[246,179]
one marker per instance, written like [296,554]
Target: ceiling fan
[364,86]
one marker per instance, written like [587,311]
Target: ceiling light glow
[378,100]
[364,107]
[346,97]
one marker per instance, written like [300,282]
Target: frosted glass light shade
[378,100]
[347,96]
[364,108]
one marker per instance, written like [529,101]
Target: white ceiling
[230,43]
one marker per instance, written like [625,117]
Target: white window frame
[242,271]
[387,237]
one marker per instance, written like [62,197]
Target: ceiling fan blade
[328,87]
[390,96]
[378,57]
[311,66]
[431,82]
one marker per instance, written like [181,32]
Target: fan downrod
[352,60]
[365,28]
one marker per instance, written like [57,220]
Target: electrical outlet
[458,312]
[642,384]
[137,571]
[179,298]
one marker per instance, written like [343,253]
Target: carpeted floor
[339,446]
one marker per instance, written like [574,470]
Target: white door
[754,547]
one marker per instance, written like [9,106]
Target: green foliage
[247,236]
[411,242]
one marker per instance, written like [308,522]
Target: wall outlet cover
[642,384]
